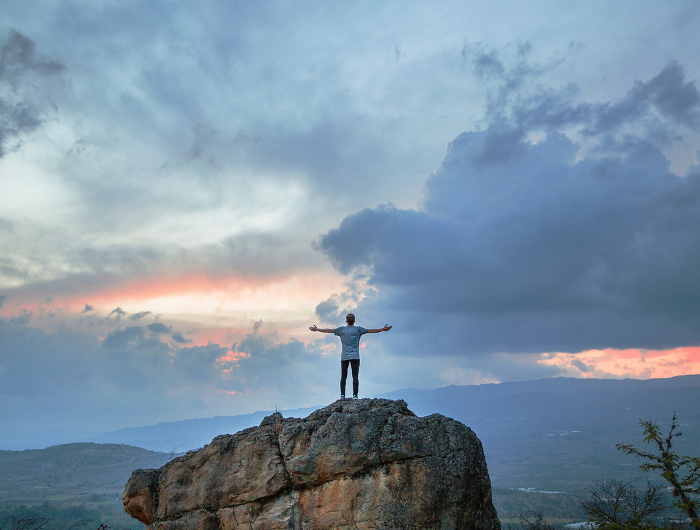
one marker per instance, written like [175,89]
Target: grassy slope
[70,472]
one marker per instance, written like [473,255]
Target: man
[350,339]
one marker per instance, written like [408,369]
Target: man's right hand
[313,328]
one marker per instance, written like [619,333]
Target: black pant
[355,364]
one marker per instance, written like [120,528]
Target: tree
[532,521]
[612,503]
[26,523]
[682,472]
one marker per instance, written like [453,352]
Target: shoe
[342,396]
[355,396]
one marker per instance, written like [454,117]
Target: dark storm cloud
[581,366]
[668,92]
[20,67]
[140,337]
[492,65]
[122,338]
[657,112]
[328,310]
[666,99]
[177,337]
[117,312]
[521,247]
[159,327]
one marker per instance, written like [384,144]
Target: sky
[186,187]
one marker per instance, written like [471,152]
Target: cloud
[20,67]
[88,308]
[22,318]
[659,111]
[18,57]
[159,328]
[337,305]
[486,62]
[122,338]
[60,377]
[199,362]
[527,247]
[133,337]
[94,269]
[3,298]
[661,105]
[263,361]
[118,313]
[139,315]
[583,367]
[177,337]
[44,374]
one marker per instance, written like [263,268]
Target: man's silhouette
[350,339]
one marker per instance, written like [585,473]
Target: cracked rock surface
[355,464]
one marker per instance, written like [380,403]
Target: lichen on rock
[360,464]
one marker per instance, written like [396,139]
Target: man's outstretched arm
[322,330]
[385,328]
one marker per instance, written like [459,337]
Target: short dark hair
[350,318]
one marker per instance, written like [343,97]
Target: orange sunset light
[211,301]
[630,363]
[241,289]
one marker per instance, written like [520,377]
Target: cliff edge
[355,464]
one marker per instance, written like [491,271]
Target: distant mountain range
[549,434]
[560,433]
[184,435]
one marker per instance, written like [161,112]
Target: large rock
[360,464]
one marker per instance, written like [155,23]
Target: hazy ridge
[549,434]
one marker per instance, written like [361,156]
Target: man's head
[350,319]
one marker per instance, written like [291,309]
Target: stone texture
[356,464]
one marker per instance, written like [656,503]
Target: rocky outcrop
[356,464]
